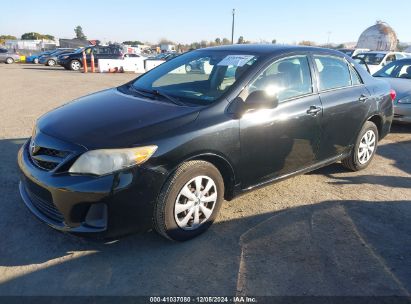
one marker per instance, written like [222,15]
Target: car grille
[42,201]
[46,158]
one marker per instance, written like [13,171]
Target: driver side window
[287,78]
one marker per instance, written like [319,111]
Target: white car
[377,60]
[353,52]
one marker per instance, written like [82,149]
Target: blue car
[35,58]
[51,59]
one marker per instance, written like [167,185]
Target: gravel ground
[330,232]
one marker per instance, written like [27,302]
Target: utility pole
[232,28]
[328,40]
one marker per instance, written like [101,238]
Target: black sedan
[166,149]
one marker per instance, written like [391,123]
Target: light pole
[328,40]
[232,28]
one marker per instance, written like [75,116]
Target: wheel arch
[224,167]
[378,121]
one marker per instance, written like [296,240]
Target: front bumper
[105,206]
[402,113]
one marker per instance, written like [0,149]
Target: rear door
[345,101]
[279,141]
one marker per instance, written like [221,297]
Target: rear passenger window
[287,78]
[333,72]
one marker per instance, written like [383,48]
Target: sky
[185,21]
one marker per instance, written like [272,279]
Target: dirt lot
[330,232]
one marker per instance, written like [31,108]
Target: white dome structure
[379,37]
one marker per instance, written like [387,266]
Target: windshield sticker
[235,60]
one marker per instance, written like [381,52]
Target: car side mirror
[260,100]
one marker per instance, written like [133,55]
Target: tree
[79,32]
[131,42]
[7,37]
[35,36]
[240,40]
[31,36]
[48,37]
[166,41]
[226,41]
[274,41]
[217,41]
[307,43]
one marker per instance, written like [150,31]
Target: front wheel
[51,62]
[189,201]
[9,60]
[364,149]
[75,65]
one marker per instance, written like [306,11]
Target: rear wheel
[75,65]
[364,149]
[189,201]
[9,60]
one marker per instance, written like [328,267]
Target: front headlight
[100,162]
[405,99]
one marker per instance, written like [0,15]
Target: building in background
[73,43]
[165,48]
[31,45]
[379,37]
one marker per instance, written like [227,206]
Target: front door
[280,141]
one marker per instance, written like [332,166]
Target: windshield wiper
[164,95]
[159,93]
[140,92]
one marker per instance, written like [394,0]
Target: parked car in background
[46,54]
[35,57]
[8,56]
[398,75]
[353,52]
[133,56]
[51,59]
[166,149]
[377,60]
[74,61]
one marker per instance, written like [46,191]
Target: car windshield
[397,69]
[372,58]
[215,72]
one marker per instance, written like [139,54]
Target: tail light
[393,95]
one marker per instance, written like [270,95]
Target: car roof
[271,48]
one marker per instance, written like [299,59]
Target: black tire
[51,62]
[164,217]
[75,65]
[353,162]
[9,60]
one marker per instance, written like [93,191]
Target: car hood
[401,86]
[111,119]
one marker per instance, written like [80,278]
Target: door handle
[363,98]
[313,110]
